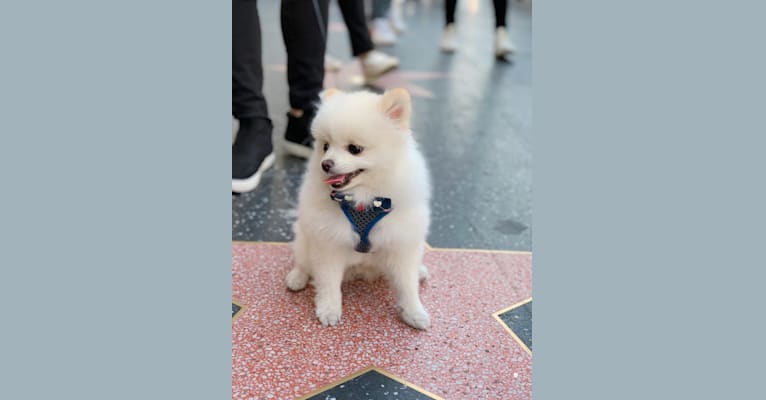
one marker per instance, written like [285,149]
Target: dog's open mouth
[338,181]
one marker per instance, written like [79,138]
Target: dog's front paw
[328,315]
[417,318]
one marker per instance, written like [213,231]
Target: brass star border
[496,314]
[241,310]
[364,371]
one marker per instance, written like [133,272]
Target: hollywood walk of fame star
[280,349]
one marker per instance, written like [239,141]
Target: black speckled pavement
[472,116]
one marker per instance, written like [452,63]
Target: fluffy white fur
[394,168]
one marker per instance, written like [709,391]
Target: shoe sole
[371,77]
[297,150]
[249,184]
[503,53]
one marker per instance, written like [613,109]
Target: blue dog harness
[362,220]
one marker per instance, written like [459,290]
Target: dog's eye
[326,146]
[354,149]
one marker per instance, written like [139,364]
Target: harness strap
[364,219]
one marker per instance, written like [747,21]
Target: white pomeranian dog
[363,207]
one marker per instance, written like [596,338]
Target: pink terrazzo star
[281,351]
[350,77]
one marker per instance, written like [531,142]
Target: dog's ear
[326,94]
[397,105]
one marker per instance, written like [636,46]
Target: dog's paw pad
[296,279]
[418,319]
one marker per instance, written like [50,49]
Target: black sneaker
[298,139]
[251,154]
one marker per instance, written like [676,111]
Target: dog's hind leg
[296,279]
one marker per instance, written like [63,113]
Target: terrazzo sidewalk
[280,350]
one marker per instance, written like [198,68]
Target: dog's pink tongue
[335,179]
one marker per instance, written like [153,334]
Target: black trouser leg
[304,31]
[449,11]
[247,99]
[356,23]
[501,6]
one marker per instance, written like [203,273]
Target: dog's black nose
[327,164]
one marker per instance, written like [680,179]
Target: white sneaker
[248,184]
[332,64]
[449,39]
[375,64]
[395,16]
[382,34]
[503,44]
